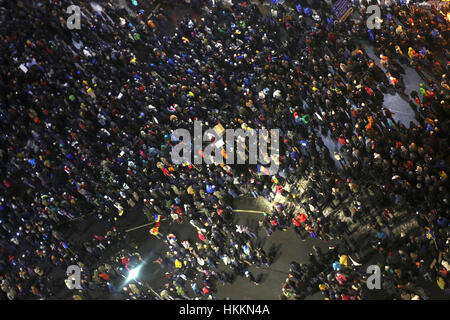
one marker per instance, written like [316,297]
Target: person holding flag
[430,236]
[155,229]
[172,239]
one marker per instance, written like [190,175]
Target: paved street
[286,244]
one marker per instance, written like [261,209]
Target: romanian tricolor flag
[157,217]
[263,169]
[187,163]
[429,233]
[171,237]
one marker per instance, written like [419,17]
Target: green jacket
[180,291]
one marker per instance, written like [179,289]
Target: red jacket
[302,217]
[104,276]
[369,91]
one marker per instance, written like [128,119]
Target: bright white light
[133,273]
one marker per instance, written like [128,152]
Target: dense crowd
[87,118]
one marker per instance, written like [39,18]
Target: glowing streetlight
[133,273]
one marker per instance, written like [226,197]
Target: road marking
[249,211]
[143,225]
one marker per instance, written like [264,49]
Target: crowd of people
[86,127]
